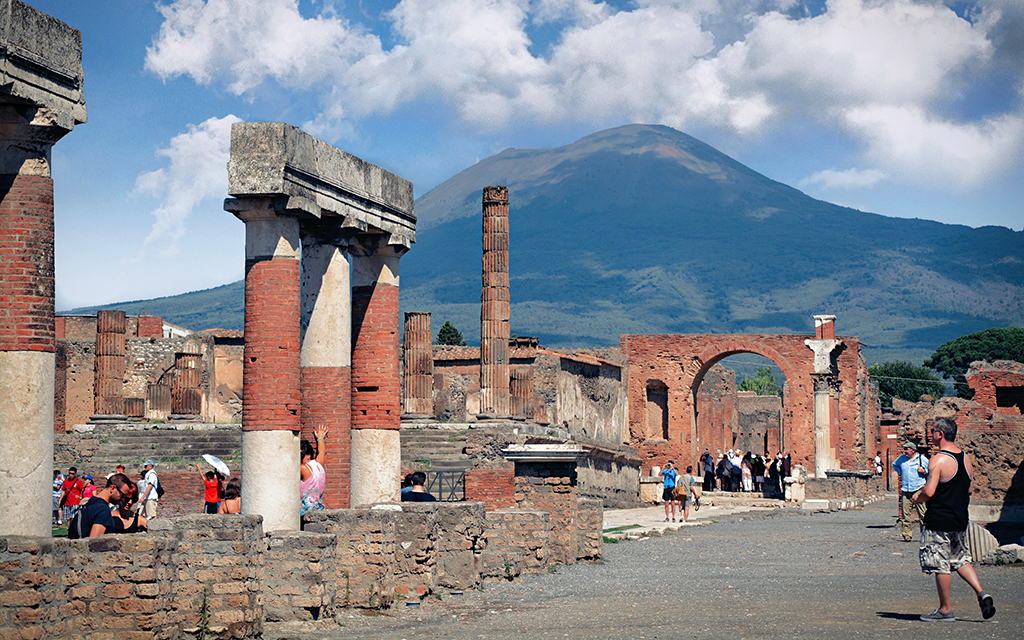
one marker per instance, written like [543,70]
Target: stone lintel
[41,63]
[568,452]
[276,159]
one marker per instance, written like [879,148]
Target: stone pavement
[758,574]
[635,523]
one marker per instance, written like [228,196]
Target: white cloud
[848,179]
[196,171]
[885,72]
[917,145]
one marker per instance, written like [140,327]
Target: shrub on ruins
[449,335]
[954,358]
[901,379]
[763,384]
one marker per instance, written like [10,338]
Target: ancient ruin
[41,101]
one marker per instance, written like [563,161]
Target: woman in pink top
[312,474]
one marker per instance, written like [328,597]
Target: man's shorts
[666,495]
[943,551]
[149,511]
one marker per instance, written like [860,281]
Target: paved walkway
[776,574]
[634,523]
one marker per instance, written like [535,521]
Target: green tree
[954,358]
[449,335]
[763,384]
[901,379]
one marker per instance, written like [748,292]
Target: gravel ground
[769,575]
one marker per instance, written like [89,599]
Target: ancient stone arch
[828,407]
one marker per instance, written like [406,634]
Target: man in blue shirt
[669,475]
[913,470]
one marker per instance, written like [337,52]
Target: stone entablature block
[310,176]
[41,63]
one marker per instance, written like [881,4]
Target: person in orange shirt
[213,490]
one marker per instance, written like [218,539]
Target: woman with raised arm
[312,474]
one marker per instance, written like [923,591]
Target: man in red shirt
[71,494]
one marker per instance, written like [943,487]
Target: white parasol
[217,464]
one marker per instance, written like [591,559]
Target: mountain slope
[643,229]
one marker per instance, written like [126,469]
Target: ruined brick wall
[717,417]
[995,442]
[77,378]
[590,527]
[149,364]
[552,487]
[759,422]
[136,586]
[218,560]
[224,570]
[841,488]
[303,577]
[592,399]
[100,587]
[384,555]
[999,386]
[682,361]
[517,543]
[493,487]
[612,476]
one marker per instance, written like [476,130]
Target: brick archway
[680,361]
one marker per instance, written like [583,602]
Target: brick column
[27,360]
[270,374]
[494,306]
[108,383]
[376,388]
[418,353]
[326,360]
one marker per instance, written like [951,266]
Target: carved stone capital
[27,133]
[825,354]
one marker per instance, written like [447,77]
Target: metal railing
[447,486]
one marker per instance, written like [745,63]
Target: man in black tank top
[944,536]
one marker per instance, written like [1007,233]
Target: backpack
[75,526]
[159,489]
[682,489]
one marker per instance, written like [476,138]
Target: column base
[270,478]
[26,442]
[376,466]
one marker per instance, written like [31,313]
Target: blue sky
[904,108]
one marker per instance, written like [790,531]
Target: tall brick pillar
[376,387]
[418,354]
[494,306]
[108,383]
[270,374]
[326,360]
[40,101]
